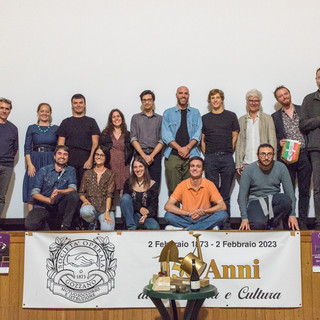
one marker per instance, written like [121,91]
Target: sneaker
[170,228]
[216,228]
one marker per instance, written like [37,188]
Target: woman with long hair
[139,203]
[40,143]
[116,138]
[96,192]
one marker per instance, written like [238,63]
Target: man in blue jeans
[202,205]
[260,201]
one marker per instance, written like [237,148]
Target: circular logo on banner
[81,270]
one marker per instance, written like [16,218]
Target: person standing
[40,143]
[145,135]
[116,138]
[81,135]
[310,125]
[256,127]
[219,136]
[181,132]
[286,121]
[9,144]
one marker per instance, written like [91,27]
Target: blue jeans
[203,223]
[5,176]
[131,218]
[90,214]
[221,168]
[281,204]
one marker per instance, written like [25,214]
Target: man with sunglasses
[8,148]
[260,201]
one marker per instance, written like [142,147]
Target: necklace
[45,130]
[140,184]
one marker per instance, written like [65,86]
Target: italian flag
[290,151]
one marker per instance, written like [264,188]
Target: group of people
[74,171]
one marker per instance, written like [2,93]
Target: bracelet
[108,210]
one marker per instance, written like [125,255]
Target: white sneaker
[170,228]
[216,228]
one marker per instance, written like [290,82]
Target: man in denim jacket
[181,132]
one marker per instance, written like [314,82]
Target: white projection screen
[112,50]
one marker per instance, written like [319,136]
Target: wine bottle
[194,278]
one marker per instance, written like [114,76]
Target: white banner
[110,269]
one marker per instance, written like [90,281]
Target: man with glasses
[256,127]
[145,132]
[260,201]
[8,148]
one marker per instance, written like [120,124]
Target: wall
[112,50]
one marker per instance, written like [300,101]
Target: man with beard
[54,194]
[81,135]
[286,121]
[260,201]
[310,125]
[181,132]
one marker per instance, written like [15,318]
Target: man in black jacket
[310,125]
[286,121]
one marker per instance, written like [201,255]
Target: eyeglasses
[99,155]
[254,101]
[266,155]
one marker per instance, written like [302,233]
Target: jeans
[203,223]
[52,217]
[281,204]
[177,170]
[303,170]
[131,218]
[315,160]
[90,214]
[5,176]
[221,168]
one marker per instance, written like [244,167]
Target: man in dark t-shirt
[220,130]
[81,135]
[8,148]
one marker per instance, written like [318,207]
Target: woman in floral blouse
[96,192]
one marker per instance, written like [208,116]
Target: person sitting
[139,203]
[196,195]
[260,201]
[96,192]
[54,194]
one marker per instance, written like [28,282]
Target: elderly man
[145,132]
[220,130]
[8,148]
[310,125]
[54,194]
[81,135]
[196,195]
[260,201]
[256,127]
[181,132]
[286,121]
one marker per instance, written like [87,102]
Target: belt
[220,153]
[44,149]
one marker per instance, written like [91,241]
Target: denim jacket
[171,123]
[48,179]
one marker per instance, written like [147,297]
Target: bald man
[181,132]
